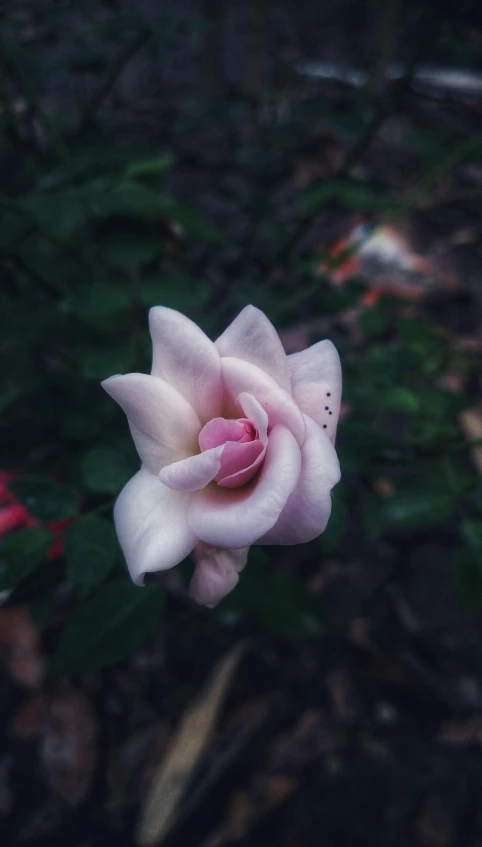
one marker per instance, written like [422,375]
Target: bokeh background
[324,162]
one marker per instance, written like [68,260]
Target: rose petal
[256,414]
[238,517]
[308,508]
[316,383]
[239,463]
[219,430]
[193,473]
[242,377]
[216,572]
[186,358]
[151,523]
[163,424]
[253,338]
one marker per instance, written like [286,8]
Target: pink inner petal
[219,430]
[238,457]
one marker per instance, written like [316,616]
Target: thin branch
[91,109]
[13,67]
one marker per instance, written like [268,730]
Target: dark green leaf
[108,627]
[132,200]
[21,552]
[400,399]
[130,245]
[45,498]
[106,470]
[417,506]
[99,363]
[90,551]
[468,579]
[150,167]
[471,532]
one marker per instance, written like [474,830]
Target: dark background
[177,154]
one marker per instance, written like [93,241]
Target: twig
[257,25]
[91,109]
[215,13]
[11,65]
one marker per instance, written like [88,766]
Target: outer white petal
[151,523]
[308,508]
[163,424]
[186,358]
[235,518]
[316,384]
[216,572]
[195,472]
[253,338]
[242,377]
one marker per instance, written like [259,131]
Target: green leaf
[417,506]
[129,245]
[21,552]
[132,200]
[471,532]
[280,602]
[45,498]
[175,291]
[108,627]
[468,579]
[194,223]
[101,299]
[60,213]
[90,552]
[401,399]
[150,167]
[97,363]
[335,530]
[106,470]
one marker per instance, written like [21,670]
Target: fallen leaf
[6,796]
[461,731]
[69,744]
[188,745]
[433,825]
[27,722]
[20,648]
[471,425]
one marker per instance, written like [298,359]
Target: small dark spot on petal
[328,393]
[324,426]
[331,413]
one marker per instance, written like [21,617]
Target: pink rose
[236,443]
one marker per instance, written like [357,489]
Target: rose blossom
[236,443]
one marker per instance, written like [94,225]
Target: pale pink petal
[185,357]
[163,424]
[193,473]
[239,463]
[242,377]
[256,414]
[253,338]
[308,508]
[216,572]
[151,524]
[238,517]
[219,430]
[316,384]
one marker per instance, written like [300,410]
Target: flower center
[243,450]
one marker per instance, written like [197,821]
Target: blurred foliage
[90,238]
